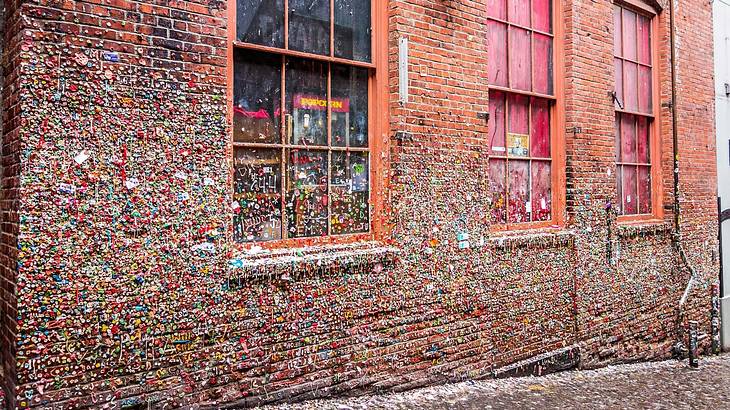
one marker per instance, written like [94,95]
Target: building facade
[212,203]
[721,13]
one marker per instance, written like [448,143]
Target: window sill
[649,227]
[287,264]
[538,238]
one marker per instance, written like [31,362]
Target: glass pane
[519,59]
[257,192]
[260,22]
[350,211]
[642,131]
[644,190]
[519,12]
[306,206]
[542,15]
[617,137]
[619,73]
[309,26]
[619,190]
[497,9]
[628,188]
[497,122]
[519,192]
[352,29]
[631,97]
[543,64]
[644,40]
[541,191]
[628,138]
[256,97]
[497,168]
[645,89]
[540,133]
[518,137]
[349,106]
[629,34]
[306,102]
[497,53]
[617,31]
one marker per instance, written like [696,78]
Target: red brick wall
[9,182]
[116,305]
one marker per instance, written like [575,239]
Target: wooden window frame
[557,126]
[657,210]
[378,122]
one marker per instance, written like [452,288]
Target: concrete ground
[659,385]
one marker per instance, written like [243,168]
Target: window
[522,102]
[302,81]
[635,111]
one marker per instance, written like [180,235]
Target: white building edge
[721,21]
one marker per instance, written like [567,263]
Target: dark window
[302,171]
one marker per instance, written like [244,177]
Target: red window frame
[633,117]
[378,123]
[511,14]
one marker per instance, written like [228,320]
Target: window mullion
[286,24]
[529,156]
[329,140]
[332,28]
[506,160]
[284,135]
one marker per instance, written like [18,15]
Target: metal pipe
[675,148]
[673,105]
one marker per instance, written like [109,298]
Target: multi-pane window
[521,101]
[301,120]
[634,110]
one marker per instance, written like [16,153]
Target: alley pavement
[658,385]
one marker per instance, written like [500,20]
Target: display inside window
[299,175]
[257,194]
[634,110]
[256,97]
[301,161]
[349,106]
[306,96]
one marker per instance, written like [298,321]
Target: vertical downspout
[677,237]
[675,147]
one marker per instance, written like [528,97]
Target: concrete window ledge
[292,263]
[539,239]
[650,228]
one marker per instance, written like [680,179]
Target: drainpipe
[677,237]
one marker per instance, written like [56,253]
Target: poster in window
[518,145]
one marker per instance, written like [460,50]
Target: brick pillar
[10,32]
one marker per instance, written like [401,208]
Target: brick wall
[9,181]
[116,165]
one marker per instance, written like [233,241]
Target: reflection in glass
[309,26]
[260,22]
[349,106]
[352,29]
[257,191]
[307,193]
[256,97]
[349,181]
[306,101]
